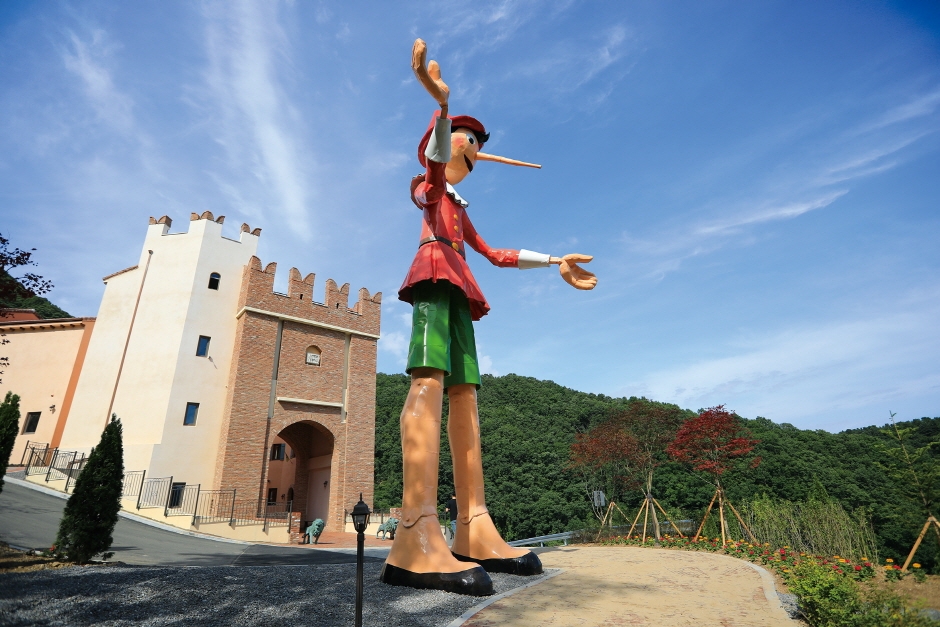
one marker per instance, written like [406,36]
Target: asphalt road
[29,518]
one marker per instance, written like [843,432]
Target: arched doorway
[311,445]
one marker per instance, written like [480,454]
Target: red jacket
[445,217]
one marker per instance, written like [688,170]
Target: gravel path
[321,595]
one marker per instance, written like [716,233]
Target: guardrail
[215,506]
[541,540]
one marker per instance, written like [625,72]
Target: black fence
[75,469]
[133,483]
[60,465]
[154,492]
[29,448]
[215,506]
[182,500]
[260,512]
[37,462]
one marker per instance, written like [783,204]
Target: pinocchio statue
[442,358]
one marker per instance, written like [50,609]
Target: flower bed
[833,591]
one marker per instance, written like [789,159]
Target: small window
[214,279]
[272,496]
[32,421]
[202,347]
[277,452]
[176,494]
[313,356]
[192,409]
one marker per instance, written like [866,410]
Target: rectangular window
[202,347]
[176,494]
[272,496]
[192,409]
[32,421]
[277,451]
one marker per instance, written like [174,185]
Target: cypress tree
[9,427]
[92,510]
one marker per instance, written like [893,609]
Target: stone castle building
[219,381]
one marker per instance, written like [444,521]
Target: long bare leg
[419,545]
[477,537]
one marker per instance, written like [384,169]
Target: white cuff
[529,259]
[438,149]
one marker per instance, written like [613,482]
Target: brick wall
[310,429]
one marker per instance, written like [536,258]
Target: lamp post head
[360,515]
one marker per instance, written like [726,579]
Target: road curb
[463,618]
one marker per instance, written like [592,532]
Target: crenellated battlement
[165,222]
[258,293]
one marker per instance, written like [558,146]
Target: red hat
[456,121]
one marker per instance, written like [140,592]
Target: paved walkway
[640,586]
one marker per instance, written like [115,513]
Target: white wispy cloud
[788,190]
[88,61]
[830,367]
[253,118]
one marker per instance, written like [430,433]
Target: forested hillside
[528,427]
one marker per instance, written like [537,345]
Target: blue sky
[758,181]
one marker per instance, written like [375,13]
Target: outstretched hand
[575,276]
[429,76]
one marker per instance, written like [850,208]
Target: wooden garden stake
[668,518]
[743,526]
[633,526]
[923,532]
[707,512]
[646,513]
[721,515]
[604,521]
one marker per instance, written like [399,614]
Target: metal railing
[541,540]
[154,492]
[60,464]
[215,506]
[29,448]
[182,500]
[260,512]
[75,469]
[38,461]
[278,514]
[133,483]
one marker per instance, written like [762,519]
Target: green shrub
[9,427]
[828,599]
[92,510]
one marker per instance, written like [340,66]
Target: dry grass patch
[13,561]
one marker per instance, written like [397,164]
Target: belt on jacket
[434,238]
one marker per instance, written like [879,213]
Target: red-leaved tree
[621,453]
[714,442]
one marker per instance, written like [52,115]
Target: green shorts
[442,333]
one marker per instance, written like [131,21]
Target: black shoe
[473,582]
[525,565]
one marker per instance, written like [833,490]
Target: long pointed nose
[482,156]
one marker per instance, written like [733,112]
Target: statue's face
[463,155]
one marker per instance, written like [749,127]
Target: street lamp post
[360,516]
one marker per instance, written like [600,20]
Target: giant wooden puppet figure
[442,357]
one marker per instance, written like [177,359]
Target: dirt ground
[13,561]
[925,594]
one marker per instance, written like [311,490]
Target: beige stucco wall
[161,372]
[41,362]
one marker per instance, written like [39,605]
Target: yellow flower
[889,560]
[864,559]
[836,557]
[916,565]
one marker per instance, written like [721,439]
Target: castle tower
[181,297]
